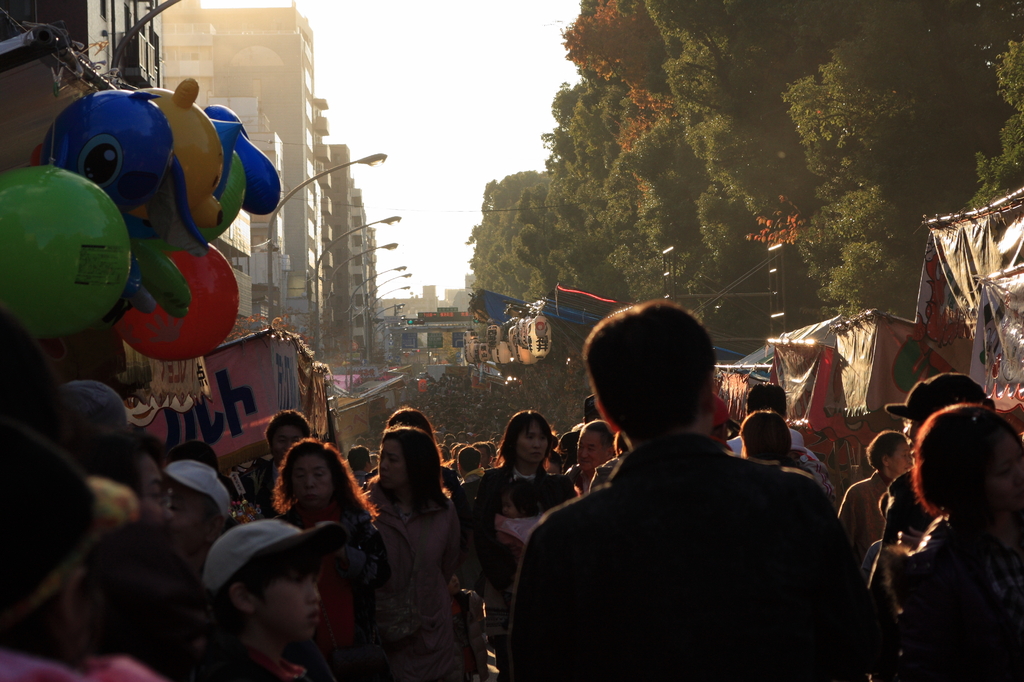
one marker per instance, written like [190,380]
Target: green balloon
[230,200]
[161,277]
[64,257]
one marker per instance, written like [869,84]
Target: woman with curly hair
[316,485]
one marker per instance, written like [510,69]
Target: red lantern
[210,318]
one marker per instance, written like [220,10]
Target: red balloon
[210,318]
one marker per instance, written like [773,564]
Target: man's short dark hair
[257,576]
[288,418]
[884,445]
[195,450]
[767,397]
[647,392]
[358,457]
[469,458]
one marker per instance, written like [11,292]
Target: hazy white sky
[456,94]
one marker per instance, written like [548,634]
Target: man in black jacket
[691,563]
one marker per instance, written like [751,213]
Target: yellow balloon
[197,147]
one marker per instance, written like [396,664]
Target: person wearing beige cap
[198,505]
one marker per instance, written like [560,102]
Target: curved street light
[371,160]
[371,323]
[351,304]
[316,336]
[392,279]
[316,264]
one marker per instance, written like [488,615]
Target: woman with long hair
[421,532]
[316,485]
[961,592]
[527,443]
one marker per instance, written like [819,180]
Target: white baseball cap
[203,479]
[241,544]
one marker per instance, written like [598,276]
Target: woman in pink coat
[421,533]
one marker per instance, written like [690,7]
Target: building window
[357,240]
[356,280]
[103,8]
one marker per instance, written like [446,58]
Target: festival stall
[227,398]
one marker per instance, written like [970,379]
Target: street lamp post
[375,323]
[316,269]
[372,160]
[668,275]
[371,314]
[388,247]
[351,304]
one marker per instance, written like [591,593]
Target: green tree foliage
[1004,173]
[892,124]
[510,256]
[693,118]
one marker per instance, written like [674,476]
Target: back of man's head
[767,397]
[625,350]
[195,450]
[469,459]
[358,457]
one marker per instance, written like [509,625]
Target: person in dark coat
[905,519]
[689,562]
[961,593]
[526,444]
[286,429]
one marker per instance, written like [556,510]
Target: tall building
[259,62]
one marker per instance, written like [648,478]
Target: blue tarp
[565,308]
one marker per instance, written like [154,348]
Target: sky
[456,94]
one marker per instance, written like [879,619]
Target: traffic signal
[408,322]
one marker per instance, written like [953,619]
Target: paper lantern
[493,336]
[503,352]
[540,336]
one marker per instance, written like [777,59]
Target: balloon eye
[101,159]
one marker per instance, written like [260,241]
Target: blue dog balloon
[262,184]
[116,138]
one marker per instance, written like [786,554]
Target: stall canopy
[969,299]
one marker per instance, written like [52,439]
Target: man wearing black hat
[905,519]
[905,516]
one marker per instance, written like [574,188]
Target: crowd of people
[646,538]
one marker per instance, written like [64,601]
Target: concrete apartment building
[259,62]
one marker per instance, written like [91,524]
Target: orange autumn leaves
[623,46]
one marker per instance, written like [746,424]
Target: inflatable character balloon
[262,184]
[178,211]
[118,139]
